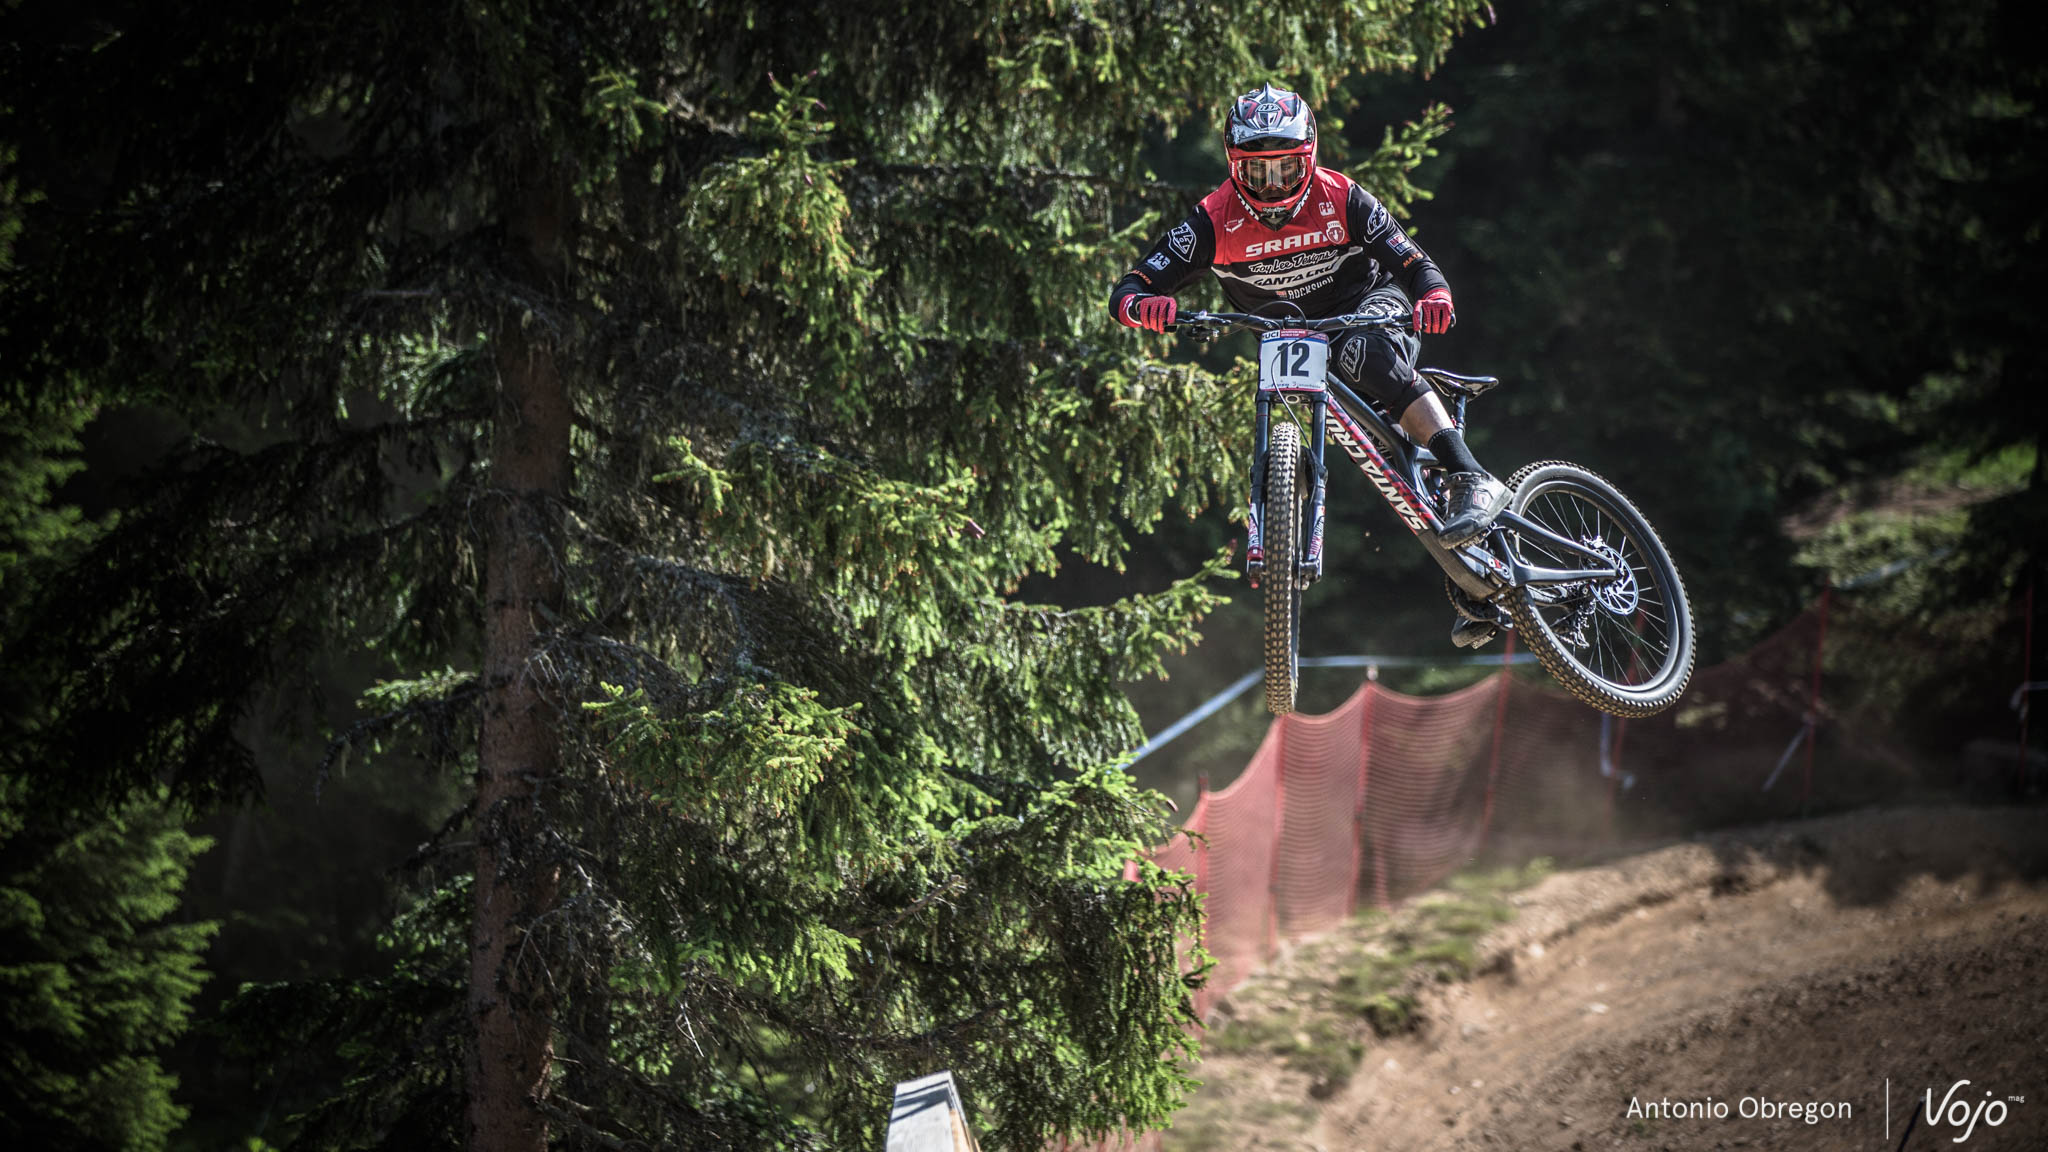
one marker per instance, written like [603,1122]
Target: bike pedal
[1473,633]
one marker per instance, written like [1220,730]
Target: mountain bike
[1569,564]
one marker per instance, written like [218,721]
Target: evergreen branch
[886,172]
[437,840]
[436,707]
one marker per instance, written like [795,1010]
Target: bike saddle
[1453,383]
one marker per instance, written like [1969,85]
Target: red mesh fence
[1389,794]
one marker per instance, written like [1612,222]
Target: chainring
[1476,611]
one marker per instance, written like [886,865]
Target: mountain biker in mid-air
[1283,228]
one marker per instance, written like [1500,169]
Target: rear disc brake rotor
[1619,596]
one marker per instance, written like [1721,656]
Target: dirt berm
[1779,973]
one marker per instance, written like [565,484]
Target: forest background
[1768,265]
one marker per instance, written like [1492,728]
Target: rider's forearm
[1120,297]
[1420,278]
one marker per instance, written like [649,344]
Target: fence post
[1820,645]
[1202,858]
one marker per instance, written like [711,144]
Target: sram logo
[1334,234]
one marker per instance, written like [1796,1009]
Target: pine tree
[94,982]
[676,396]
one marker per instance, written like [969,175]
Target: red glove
[1154,313]
[1434,313]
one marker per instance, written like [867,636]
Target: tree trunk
[510,1002]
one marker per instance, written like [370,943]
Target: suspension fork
[1255,510]
[1312,562]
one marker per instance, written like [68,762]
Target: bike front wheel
[1286,496]
[1624,646]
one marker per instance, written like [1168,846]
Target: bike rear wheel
[1286,496]
[1624,646]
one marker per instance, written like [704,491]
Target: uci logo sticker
[1965,1113]
[1182,241]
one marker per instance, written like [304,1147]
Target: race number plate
[1293,360]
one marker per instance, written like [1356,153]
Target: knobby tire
[1658,689]
[1286,493]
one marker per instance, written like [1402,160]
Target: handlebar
[1218,323]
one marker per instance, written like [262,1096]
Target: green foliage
[1320,1010]
[1434,941]
[398,1036]
[37,454]
[823,802]
[94,980]
[1319,1048]
[748,759]
[12,201]
[1389,170]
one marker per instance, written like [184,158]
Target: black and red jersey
[1340,245]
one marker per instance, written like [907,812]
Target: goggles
[1271,177]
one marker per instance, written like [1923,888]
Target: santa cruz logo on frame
[1959,1111]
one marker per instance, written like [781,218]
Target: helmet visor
[1271,177]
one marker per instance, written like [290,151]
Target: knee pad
[1408,394]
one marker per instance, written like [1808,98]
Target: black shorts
[1381,362]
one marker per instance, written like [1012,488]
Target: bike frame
[1394,465]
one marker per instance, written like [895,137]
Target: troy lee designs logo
[1290,263]
[1965,1113]
[1332,234]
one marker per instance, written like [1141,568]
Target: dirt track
[1802,963]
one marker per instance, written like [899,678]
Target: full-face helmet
[1270,139]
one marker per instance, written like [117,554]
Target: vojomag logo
[1960,1111]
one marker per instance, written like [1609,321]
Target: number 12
[1299,367]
